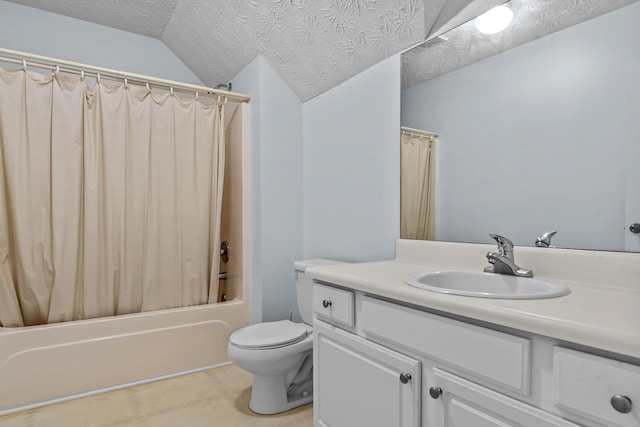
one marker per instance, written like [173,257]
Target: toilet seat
[270,335]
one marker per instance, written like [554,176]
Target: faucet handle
[504,245]
[544,240]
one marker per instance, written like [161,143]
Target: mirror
[538,126]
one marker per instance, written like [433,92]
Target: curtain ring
[225,99]
[148,87]
[196,95]
[57,70]
[82,75]
[24,64]
[98,77]
[171,90]
[219,100]
[126,84]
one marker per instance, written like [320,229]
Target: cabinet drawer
[496,357]
[585,384]
[333,304]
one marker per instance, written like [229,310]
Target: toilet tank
[304,288]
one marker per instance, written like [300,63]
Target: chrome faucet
[502,262]
[544,240]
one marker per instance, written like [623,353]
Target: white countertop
[600,316]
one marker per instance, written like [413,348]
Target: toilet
[279,354]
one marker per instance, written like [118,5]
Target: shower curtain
[417,187]
[110,199]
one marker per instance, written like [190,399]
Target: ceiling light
[495,20]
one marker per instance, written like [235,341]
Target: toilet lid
[269,334]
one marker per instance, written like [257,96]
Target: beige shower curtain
[417,187]
[110,199]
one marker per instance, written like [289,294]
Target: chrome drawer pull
[405,377]
[621,404]
[435,392]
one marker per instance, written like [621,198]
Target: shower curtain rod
[417,132]
[60,65]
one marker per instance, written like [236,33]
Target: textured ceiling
[316,44]
[146,17]
[465,45]
[313,44]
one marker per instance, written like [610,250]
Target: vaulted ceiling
[313,44]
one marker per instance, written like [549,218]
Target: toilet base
[269,395]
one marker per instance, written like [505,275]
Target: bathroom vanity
[389,354]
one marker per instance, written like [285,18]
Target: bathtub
[43,364]
[49,363]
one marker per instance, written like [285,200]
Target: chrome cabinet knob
[621,404]
[326,303]
[435,392]
[634,228]
[405,377]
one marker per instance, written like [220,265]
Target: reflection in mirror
[417,184]
[539,125]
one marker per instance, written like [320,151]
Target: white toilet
[279,354]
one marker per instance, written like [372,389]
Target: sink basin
[486,285]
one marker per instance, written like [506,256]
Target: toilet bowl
[280,354]
[282,369]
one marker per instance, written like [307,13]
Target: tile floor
[214,398]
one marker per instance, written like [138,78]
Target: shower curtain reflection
[417,186]
[109,199]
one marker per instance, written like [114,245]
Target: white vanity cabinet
[382,363]
[357,382]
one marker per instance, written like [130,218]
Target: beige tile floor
[217,397]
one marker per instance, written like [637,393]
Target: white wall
[350,171]
[351,167]
[276,115]
[43,33]
[534,139]
[248,81]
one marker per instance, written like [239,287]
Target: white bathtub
[50,362]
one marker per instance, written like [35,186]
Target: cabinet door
[358,383]
[466,404]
